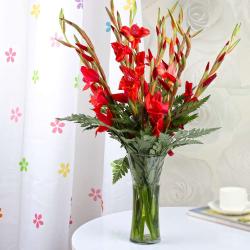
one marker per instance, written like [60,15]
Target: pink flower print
[54,42]
[57,126]
[95,194]
[15,114]
[10,55]
[38,220]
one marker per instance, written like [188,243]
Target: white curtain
[40,81]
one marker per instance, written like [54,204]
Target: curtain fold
[38,84]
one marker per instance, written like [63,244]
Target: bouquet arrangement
[147,115]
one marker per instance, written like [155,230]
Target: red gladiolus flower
[134,34]
[90,76]
[209,80]
[120,97]
[166,85]
[104,118]
[120,51]
[166,72]
[156,110]
[170,153]
[188,91]
[140,66]
[158,127]
[150,56]
[98,99]
[130,83]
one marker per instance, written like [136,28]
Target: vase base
[146,241]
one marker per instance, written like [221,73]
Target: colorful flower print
[54,42]
[10,54]
[57,126]
[129,4]
[64,169]
[15,114]
[38,220]
[96,194]
[35,10]
[108,26]
[35,76]
[23,165]
[77,81]
[79,4]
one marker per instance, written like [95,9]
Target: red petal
[120,97]
[82,47]
[89,75]
[209,80]
[88,58]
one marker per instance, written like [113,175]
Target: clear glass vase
[146,172]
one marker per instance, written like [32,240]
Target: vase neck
[145,169]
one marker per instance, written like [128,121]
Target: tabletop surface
[178,232]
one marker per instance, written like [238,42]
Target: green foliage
[120,168]
[87,122]
[183,112]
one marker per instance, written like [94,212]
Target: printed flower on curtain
[64,169]
[10,54]
[77,81]
[15,114]
[129,4]
[35,10]
[57,126]
[23,165]
[38,220]
[79,4]
[96,194]
[54,42]
[108,26]
[1,213]
[35,76]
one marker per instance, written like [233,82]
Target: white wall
[193,175]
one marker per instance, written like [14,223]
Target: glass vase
[146,172]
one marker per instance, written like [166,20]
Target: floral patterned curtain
[40,81]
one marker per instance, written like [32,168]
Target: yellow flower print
[64,169]
[129,4]
[35,11]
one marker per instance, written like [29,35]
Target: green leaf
[120,168]
[61,20]
[188,107]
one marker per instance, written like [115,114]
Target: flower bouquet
[147,115]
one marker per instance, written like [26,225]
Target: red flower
[104,118]
[120,51]
[170,153]
[166,85]
[90,76]
[166,72]
[130,83]
[82,50]
[140,66]
[209,80]
[188,91]
[156,110]
[120,97]
[134,34]
[98,99]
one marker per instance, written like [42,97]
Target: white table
[178,232]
